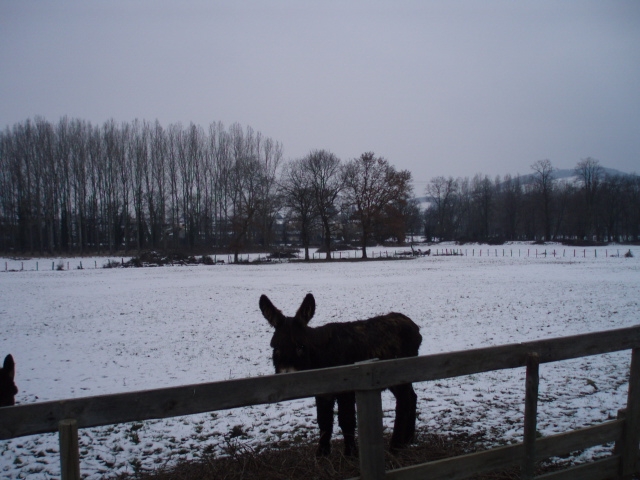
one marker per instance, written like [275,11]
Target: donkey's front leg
[324,409]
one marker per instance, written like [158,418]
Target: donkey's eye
[300,349]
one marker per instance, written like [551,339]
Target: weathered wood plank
[465,466]
[598,470]
[467,362]
[141,405]
[69,452]
[458,468]
[631,438]
[371,444]
[530,416]
[563,443]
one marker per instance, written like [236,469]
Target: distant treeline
[74,187]
[590,207]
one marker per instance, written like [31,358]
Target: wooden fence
[368,380]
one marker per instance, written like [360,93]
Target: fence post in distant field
[530,416]
[69,452]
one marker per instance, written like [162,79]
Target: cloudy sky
[437,87]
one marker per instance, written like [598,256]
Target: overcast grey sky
[437,87]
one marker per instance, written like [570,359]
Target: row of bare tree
[589,206]
[75,187]
[78,188]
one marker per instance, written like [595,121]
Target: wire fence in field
[529,252]
[18,265]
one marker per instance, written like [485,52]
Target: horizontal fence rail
[373,377]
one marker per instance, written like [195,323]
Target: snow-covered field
[76,333]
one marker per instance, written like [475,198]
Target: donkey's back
[384,337]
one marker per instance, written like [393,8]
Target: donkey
[8,389]
[297,346]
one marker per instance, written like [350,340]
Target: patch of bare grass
[289,460]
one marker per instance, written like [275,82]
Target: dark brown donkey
[8,389]
[297,346]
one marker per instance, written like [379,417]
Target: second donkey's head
[8,389]
[290,341]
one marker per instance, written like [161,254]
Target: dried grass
[288,460]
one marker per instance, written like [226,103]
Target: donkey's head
[290,342]
[8,389]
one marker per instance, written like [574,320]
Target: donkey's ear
[307,309]
[9,366]
[271,313]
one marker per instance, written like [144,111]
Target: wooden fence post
[371,446]
[69,452]
[631,436]
[530,416]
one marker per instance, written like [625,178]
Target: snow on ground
[94,331]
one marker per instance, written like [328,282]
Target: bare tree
[45,162]
[220,148]
[270,156]
[590,173]
[543,187]
[173,147]
[139,161]
[156,185]
[443,191]
[246,180]
[371,185]
[114,177]
[96,172]
[79,165]
[326,184]
[511,206]
[483,199]
[297,192]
